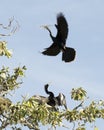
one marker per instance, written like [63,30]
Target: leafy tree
[30,113]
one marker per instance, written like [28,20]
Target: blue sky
[86,30]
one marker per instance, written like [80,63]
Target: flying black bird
[59,42]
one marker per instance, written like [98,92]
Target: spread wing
[52,50]
[62,27]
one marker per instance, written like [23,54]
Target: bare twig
[9,25]
[12,29]
[73,126]
[80,105]
[65,126]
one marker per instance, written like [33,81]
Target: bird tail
[68,54]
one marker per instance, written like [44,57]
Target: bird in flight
[59,42]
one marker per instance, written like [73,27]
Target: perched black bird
[51,100]
[55,101]
[59,42]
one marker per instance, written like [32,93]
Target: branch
[80,105]
[9,27]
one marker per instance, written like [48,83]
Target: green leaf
[3,49]
[96,128]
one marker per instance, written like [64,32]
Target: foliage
[78,94]
[3,49]
[10,81]
[12,28]
[32,114]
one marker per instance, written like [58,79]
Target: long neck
[48,92]
[53,38]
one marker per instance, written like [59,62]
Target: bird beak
[45,26]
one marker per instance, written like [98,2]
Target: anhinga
[59,42]
[55,101]
[51,100]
